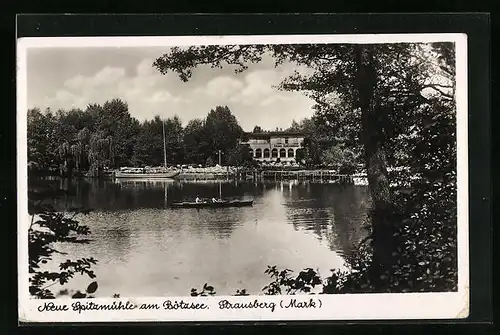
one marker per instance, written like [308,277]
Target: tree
[240,156]
[66,129]
[339,157]
[210,162]
[41,128]
[81,140]
[149,145]
[94,112]
[294,127]
[101,152]
[222,130]
[196,144]
[332,157]
[317,140]
[79,150]
[126,140]
[174,137]
[257,129]
[66,155]
[335,122]
[79,119]
[300,156]
[115,121]
[382,87]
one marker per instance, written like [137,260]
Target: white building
[269,146]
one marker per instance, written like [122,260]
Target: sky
[75,77]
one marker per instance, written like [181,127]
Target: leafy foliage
[196,141]
[284,283]
[240,156]
[87,293]
[222,130]
[241,292]
[47,229]
[207,290]
[340,158]
[257,129]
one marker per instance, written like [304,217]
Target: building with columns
[269,146]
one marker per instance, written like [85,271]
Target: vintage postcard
[242,178]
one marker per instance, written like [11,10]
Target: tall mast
[164,145]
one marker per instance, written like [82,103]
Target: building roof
[273,134]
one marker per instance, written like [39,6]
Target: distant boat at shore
[146,173]
[169,175]
[150,172]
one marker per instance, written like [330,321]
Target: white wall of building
[282,147]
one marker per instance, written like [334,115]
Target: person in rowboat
[197,200]
[214,200]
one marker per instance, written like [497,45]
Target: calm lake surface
[144,248]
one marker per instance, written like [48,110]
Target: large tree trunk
[372,135]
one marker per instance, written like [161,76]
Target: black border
[476,26]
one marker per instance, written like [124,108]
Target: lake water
[144,248]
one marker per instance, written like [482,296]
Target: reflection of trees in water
[330,211]
[351,212]
[99,194]
[312,219]
[141,194]
[334,212]
[304,207]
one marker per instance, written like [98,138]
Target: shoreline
[243,174]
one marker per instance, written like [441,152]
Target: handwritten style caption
[225,304]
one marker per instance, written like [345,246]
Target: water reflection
[146,248]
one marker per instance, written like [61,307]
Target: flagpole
[164,145]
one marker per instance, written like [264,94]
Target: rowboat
[217,204]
